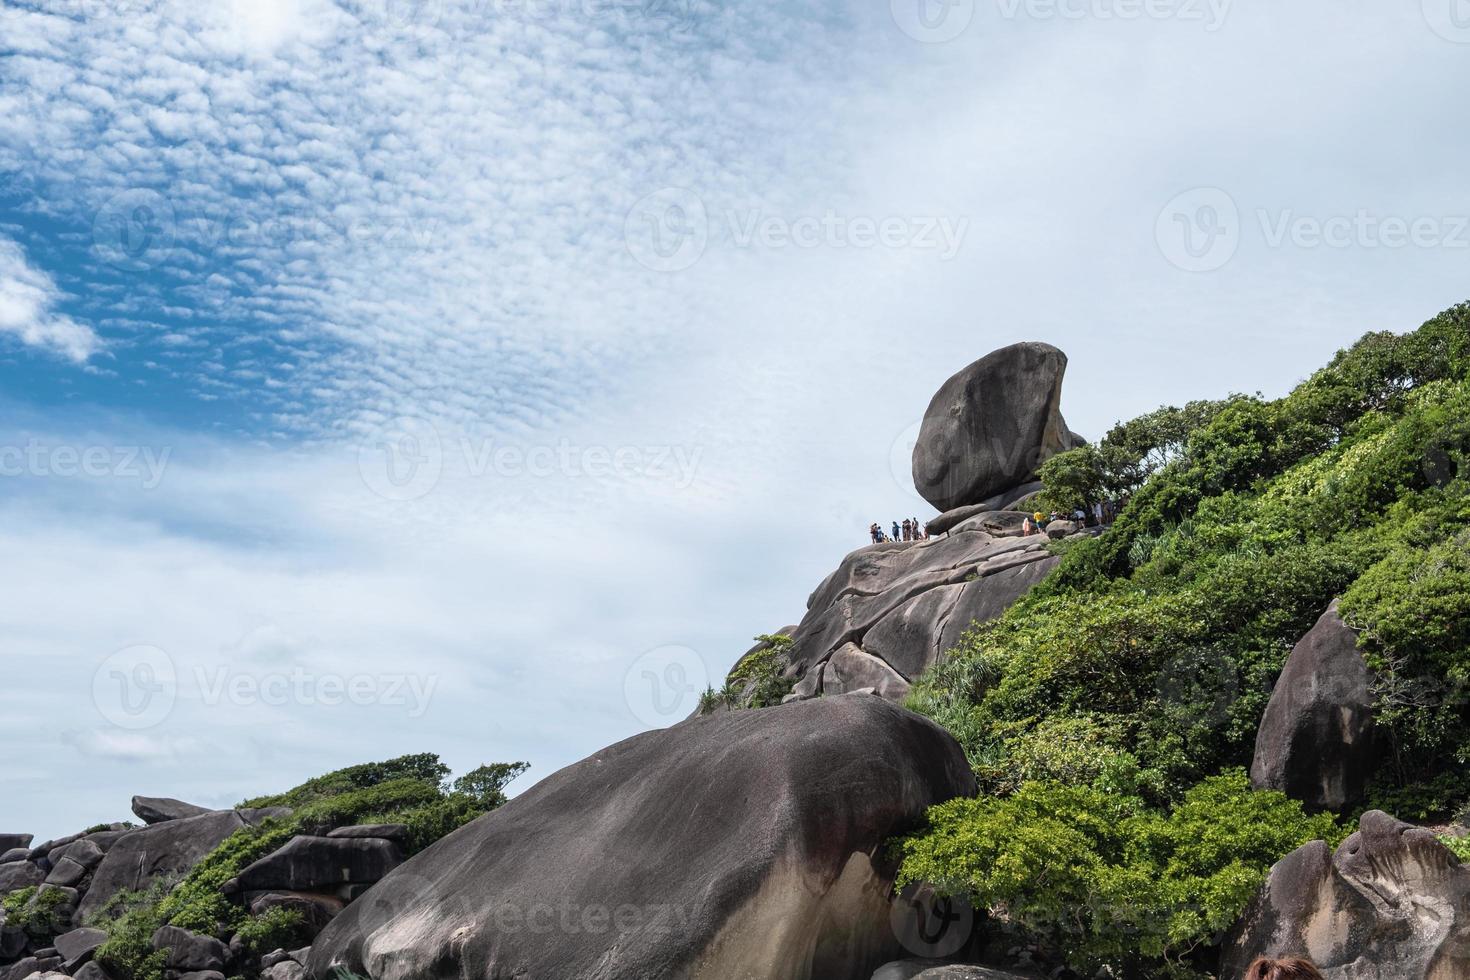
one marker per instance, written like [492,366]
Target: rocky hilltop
[1156,748]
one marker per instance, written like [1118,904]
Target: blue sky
[483,353]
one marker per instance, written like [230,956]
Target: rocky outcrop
[1315,742]
[157,809]
[1392,903]
[10,842]
[168,848]
[990,427]
[744,844]
[890,611]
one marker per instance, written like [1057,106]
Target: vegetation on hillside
[410,790]
[1118,702]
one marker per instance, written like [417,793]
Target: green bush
[275,928]
[1101,878]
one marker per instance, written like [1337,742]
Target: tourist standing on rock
[895,530]
[1028,527]
[1287,969]
[908,530]
[875,532]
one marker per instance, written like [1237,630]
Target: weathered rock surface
[171,847]
[76,947]
[990,427]
[1392,903]
[157,809]
[744,844]
[396,832]
[1315,742]
[12,841]
[20,874]
[319,864]
[188,951]
[906,604]
[926,970]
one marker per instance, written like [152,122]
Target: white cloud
[28,297]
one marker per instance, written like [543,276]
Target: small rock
[1057,530]
[85,852]
[284,970]
[190,952]
[76,947]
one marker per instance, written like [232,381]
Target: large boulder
[990,427]
[308,863]
[187,952]
[1315,742]
[168,848]
[20,874]
[11,841]
[157,809]
[746,844]
[1392,903]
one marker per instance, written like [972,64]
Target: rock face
[1391,903]
[904,604]
[1315,742]
[157,809]
[744,844]
[991,426]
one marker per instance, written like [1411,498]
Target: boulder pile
[56,890]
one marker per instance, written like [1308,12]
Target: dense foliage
[409,790]
[1102,877]
[1138,672]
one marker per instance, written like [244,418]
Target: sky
[480,376]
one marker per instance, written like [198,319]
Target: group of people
[909,530]
[1099,514]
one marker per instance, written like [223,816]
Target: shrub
[275,928]
[1104,880]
